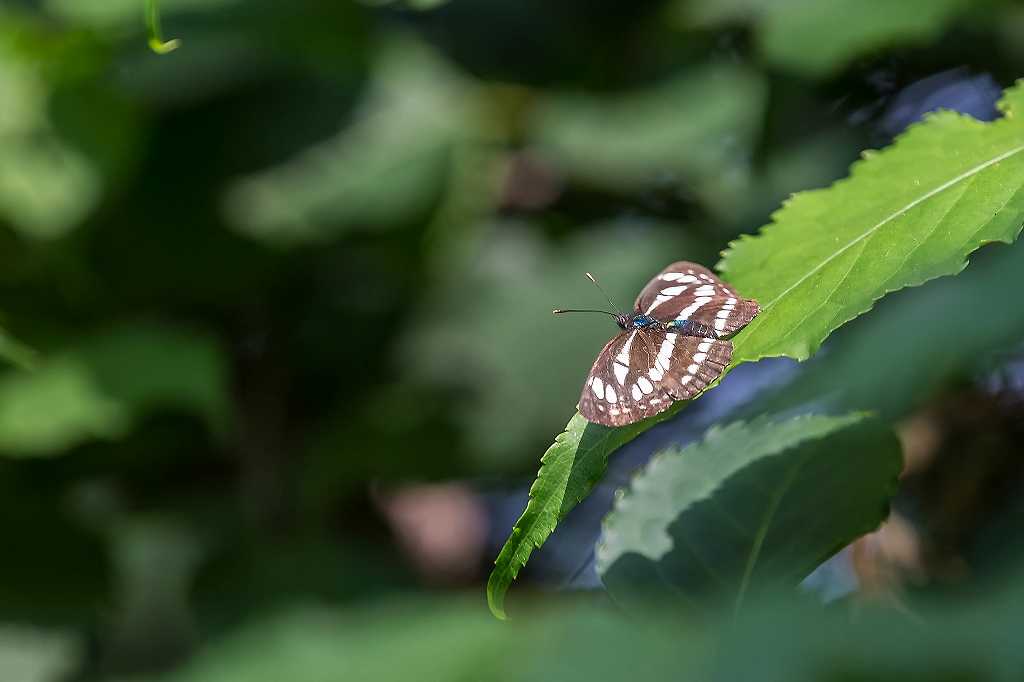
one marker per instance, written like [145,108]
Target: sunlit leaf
[752,504]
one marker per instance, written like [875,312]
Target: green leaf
[44,411]
[46,186]
[905,215]
[568,472]
[156,39]
[441,640]
[818,37]
[120,15]
[101,386]
[898,357]
[30,654]
[699,126]
[388,166]
[773,640]
[731,513]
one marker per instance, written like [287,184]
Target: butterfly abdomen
[691,328]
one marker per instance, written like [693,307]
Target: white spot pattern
[673,291]
[623,355]
[645,385]
[658,300]
[637,395]
[598,387]
[685,313]
[665,352]
[677,277]
[609,394]
[705,290]
[620,373]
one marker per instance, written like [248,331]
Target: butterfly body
[637,320]
[672,345]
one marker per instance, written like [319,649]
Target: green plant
[905,215]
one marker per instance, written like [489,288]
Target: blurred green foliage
[251,288]
[818,38]
[779,641]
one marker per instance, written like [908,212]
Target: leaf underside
[905,215]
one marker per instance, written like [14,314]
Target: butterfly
[672,345]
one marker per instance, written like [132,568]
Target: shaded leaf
[779,639]
[447,639]
[753,502]
[697,128]
[46,186]
[112,14]
[817,38]
[53,407]
[389,165]
[98,388]
[917,341]
[37,655]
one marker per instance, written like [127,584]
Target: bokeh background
[279,362]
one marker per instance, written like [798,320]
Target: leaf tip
[496,597]
[163,47]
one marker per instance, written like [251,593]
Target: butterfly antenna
[559,311]
[601,289]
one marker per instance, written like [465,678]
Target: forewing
[687,291]
[640,373]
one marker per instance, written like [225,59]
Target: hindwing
[641,372]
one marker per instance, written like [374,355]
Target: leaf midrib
[762,532]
